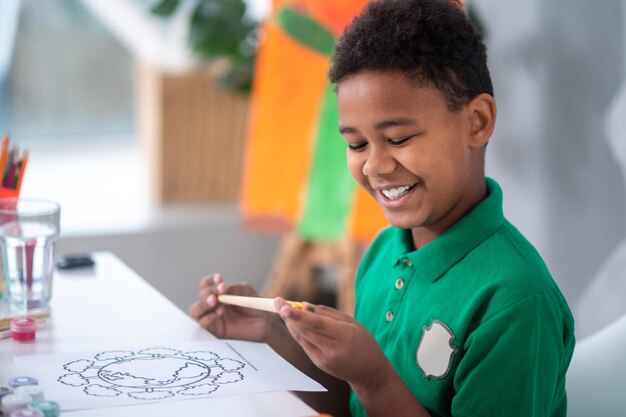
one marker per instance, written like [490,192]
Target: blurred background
[139,120]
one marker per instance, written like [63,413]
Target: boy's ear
[481,111]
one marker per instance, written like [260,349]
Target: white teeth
[395,193]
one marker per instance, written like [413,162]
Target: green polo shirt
[472,322]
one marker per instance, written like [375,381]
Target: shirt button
[407,262]
[389,315]
[399,284]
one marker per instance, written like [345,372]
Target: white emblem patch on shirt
[435,350]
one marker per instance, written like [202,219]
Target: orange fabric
[367,217]
[290,82]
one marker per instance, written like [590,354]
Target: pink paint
[23,329]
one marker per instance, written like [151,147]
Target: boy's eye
[357,146]
[399,141]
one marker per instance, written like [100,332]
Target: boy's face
[415,157]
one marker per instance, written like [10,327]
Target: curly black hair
[432,41]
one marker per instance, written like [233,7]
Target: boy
[456,313]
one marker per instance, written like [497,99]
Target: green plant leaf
[164,8]
[218,28]
[306,30]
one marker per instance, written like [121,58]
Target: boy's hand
[226,321]
[335,342]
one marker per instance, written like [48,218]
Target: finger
[321,327]
[311,349]
[305,314]
[204,298]
[333,313]
[208,285]
[242,289]
[211,280]
[319,334]
[308,322]
[212,284]
[309,307]
[315,346]
[206,281]
[204,293]
[208,322]
[207,301]
[288,312]
[296,333]
[201,308]
[195,310]
[280,301]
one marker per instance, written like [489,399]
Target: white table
[110,306]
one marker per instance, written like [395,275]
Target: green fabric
[330,189]
[511,331]
[305,30]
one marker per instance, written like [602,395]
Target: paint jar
[34,391]
[23,329]
[22,380]
[13,402]
[47,407]
[4,391]
[27,413]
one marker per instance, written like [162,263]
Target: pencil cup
[8,192]
[28,232]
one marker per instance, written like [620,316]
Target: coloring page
[162,373]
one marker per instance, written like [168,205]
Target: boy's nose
[378,163]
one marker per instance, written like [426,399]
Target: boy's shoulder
[504,259]
[508,270]
[514,259]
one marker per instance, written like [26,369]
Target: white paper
[162,373]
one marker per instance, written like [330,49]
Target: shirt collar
[434,259]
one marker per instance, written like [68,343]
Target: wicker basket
[194,134]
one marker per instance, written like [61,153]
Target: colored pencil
[9,172]
[3,156]
[23,163]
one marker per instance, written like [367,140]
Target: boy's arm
[335,401]
[388,394]
[339,345]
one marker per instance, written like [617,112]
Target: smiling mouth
[397,192]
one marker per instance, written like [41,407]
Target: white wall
[557,66]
